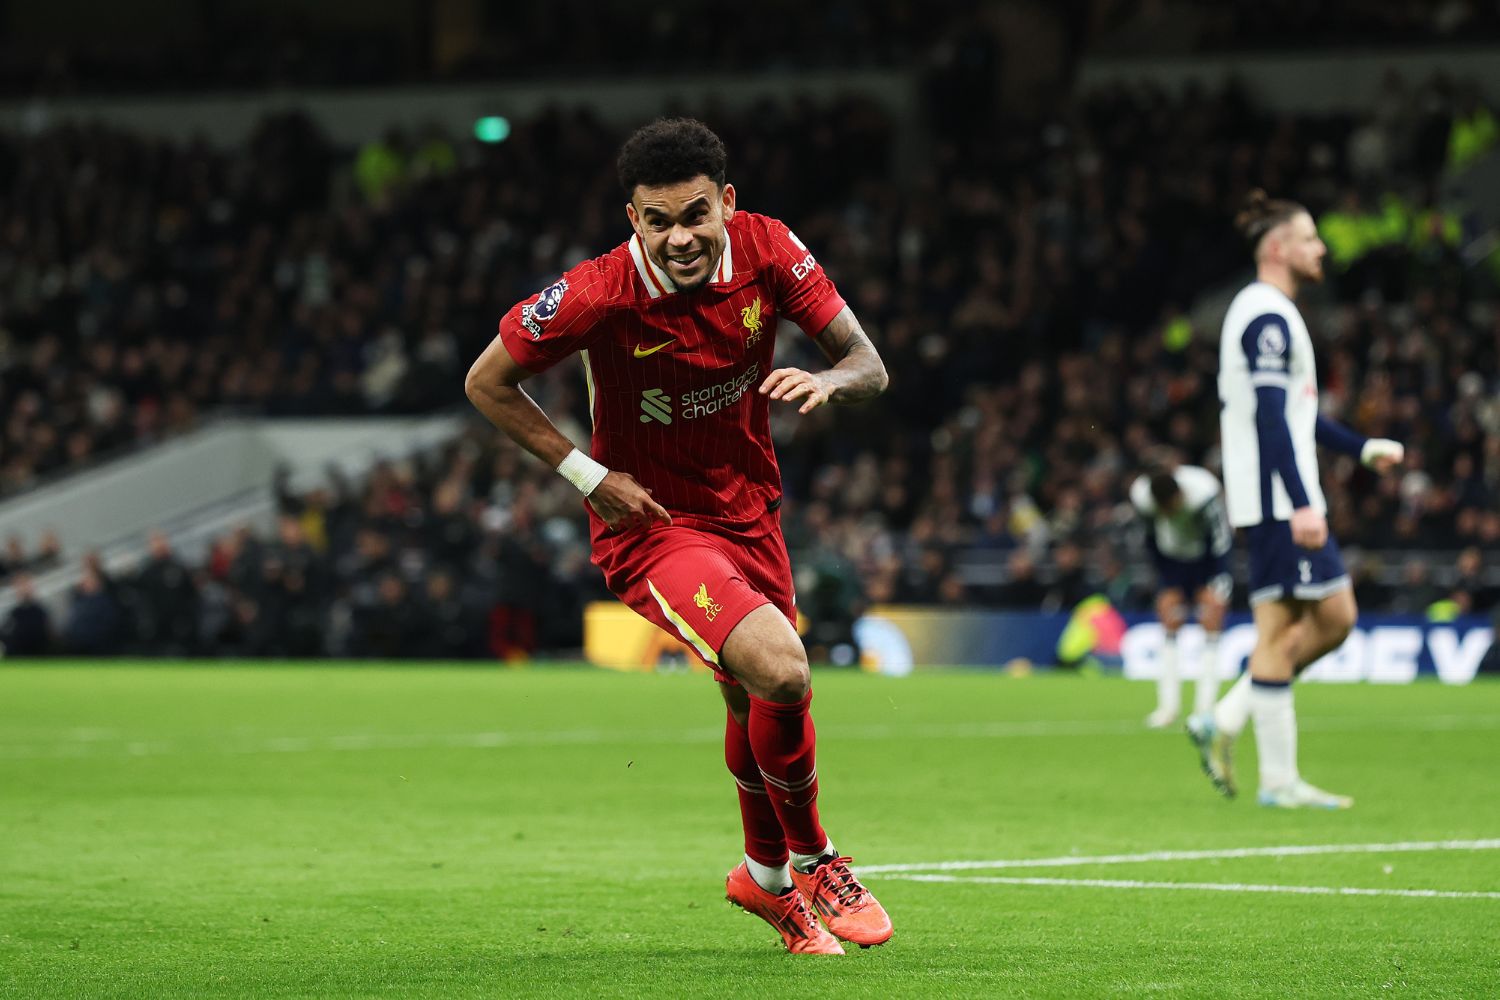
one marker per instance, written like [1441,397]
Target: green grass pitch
[205,831]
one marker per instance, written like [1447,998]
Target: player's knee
[787,680]
[765,655]
[1170,610]
[1340,632]
[1337,624]
[783,675]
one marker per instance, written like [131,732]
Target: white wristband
[583,472]
[1377,448]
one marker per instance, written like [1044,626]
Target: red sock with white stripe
[785,747]
[765,845]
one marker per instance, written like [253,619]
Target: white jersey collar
[659,283]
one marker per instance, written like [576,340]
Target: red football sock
[785,748]
[764,841]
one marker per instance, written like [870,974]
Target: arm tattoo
[857,370]
[842,335]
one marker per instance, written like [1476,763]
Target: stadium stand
[1044,295]
[1189,26]
[146,283]
[244,46]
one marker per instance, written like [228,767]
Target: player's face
[1302,250]
[682,227]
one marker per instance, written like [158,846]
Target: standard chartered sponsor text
[711,399]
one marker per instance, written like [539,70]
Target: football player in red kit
[676,330]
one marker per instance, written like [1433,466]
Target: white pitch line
[1109,883]
[1285,851]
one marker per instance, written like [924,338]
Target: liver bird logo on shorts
[702,600]
[750,317]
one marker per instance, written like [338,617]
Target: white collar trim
[726,262]
[658,282]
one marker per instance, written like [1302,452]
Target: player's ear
[1276,241]
[1267,248]
[728,197]
[635,219]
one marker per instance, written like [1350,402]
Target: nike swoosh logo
[641,352]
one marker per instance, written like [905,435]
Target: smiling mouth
[685,261]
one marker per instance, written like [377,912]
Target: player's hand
[792,384]
[624,503]
[1309,528]
[1382,454]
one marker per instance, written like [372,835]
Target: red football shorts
[697,582]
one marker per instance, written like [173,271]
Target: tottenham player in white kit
[1300,595]
[1189,539]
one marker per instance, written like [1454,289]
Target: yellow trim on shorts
[683,628]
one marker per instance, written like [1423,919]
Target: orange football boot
[787,913]
[845,905]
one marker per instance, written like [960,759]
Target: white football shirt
[1265,343]
[1198,528]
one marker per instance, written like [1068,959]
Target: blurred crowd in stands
[477,551]
[189,46]
[469,551]
[1140,27]
[1038,293]
[213,47]
[145,284]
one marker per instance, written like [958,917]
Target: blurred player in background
[676,328]
[1300,595]
[1188,535]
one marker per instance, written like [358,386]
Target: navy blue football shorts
[1192,575]
[1282,570]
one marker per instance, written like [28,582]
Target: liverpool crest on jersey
[750,317]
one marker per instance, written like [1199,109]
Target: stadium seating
[1044,298]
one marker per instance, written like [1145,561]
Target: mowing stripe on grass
[1283,851]
[1110,883]
[101,743]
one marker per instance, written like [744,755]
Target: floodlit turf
[406,831]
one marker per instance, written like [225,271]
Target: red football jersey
[673,376]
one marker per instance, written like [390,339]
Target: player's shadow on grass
[588,954]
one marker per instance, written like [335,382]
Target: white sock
[775,878]
[807,862]
[1275,733]
[1234,708]
[1207,691]
[1168,688]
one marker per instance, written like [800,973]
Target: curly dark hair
[1262,213]
[670,150]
